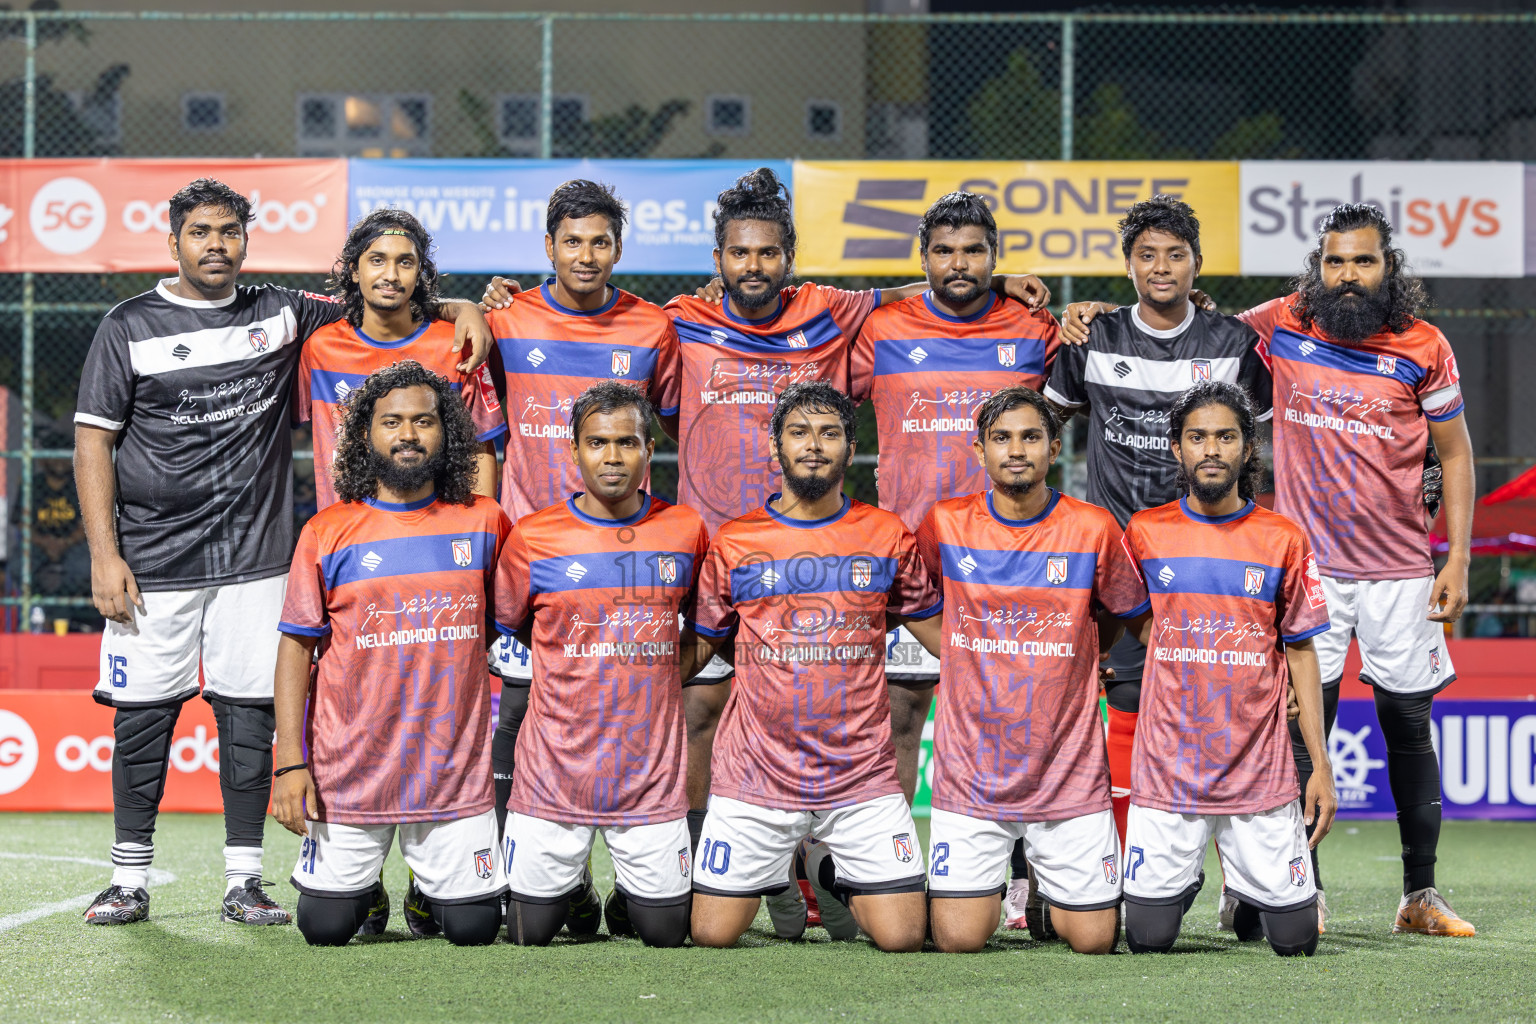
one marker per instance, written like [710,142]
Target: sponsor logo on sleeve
[1314,585]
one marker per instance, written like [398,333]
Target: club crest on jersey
[862,570]
[797,340]
[1110,874]
[1199,370]
[666,568]
[258,336]
[462,553]
[902,841]
[1056,569]
[1434,662]
[1299,871]
[682,862]
[1386,365]
[1006,351]
[483,863]
[1253,579]
[620,362]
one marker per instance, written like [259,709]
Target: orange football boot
[1426,913]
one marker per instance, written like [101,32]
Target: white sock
[130,864]
[240,863]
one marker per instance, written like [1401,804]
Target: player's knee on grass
[471,924]
[140,756]
[245,768]
[535,924]
[661,923]
[895,922]
[718,921]
[1152,929]
[509,719]
[1092,932]
[1291,932]
[963,924]
[331,920]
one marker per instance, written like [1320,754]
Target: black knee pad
[470,924]
[535,924]
[140,760]
[331,920]
[1152,929]
[1246,922]
[660,923]
[1124,695]
[509,719]
[1291,932]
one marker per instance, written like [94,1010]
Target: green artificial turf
[184,965]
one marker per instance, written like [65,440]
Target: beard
[1349,313]
[809,488]
[741,300]
[1210,492]
[960,289]
[405,479]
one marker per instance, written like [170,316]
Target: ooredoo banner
[95,216]
[1451,219]
[1053,217]
[56,754]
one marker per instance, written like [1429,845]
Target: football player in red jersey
[1236,603]
[393,584]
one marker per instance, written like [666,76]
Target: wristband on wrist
[290,768]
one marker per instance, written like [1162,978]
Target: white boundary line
[10,921]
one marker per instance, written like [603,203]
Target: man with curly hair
[393,585]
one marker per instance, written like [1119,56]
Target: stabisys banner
[112,216]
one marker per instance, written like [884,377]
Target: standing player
[1236,600]
[1031,581]
[809,582]
[393,584]
[387,283]
[599,580]
[1362,385]
[1136,360]
[928,362]
[182,462]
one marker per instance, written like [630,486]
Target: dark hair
[957,210]
[815,396]
[207,192]
[610,396]
[756,196]
[1405,294]
[582,198]
[352,468]
[1219,392]
[425,301]
[1160,213]
[1015,397]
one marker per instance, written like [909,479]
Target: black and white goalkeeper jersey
[200,393]
[1128,374]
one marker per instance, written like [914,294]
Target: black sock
[695,828]
[1414,774]
[509,719]
[1016,862]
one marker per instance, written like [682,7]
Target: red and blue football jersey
[733,371]
[1017,733]
[1228,593]
[338,357]
[808,722]
[604,741]
[1351,429]
[549,355]
[400,711]
[927,373]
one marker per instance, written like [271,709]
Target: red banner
[56,754]
[108,216]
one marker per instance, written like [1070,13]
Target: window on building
[202,112]
[517,123]
[364,124]
[728,115]
[823,120]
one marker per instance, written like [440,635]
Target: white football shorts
[746,850]
[1400,650]
[230,631]
[453,861]
[1264,856]
[1076,862]
[512,661]
[544,860]
[908,660]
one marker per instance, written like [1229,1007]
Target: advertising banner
[1053,217]
[1451,219]
[56,754]
[111,216]
[488,215]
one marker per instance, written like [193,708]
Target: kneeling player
[599,581]
[804,747]
[1018,745]
[394,582]
[1234,589]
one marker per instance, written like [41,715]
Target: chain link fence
[1113,86]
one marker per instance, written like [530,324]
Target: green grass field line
[184,965]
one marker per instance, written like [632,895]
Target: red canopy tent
[1503,520]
